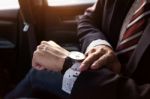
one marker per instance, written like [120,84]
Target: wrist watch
[74,56]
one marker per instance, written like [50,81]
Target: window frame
[69,3]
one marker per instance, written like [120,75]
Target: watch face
[76,55]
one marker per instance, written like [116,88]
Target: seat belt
[26,25]
[29,29]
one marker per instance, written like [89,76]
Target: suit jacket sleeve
[104,84]
[89,25]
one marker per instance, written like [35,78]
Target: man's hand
[50,56]
[100,56]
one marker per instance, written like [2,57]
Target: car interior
[25,23]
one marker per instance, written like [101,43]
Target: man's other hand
[50,56]
[100,56]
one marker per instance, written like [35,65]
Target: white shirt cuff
[96,43]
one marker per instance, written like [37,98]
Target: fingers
[110,61]
[103,60]
[101,56]
[50,43]
[51,46]
[36,63]
[91,57]
[98,63]
[48,57]
[41,47]
[44,42]
[88,61]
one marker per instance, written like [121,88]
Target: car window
[9,4]
[69,2]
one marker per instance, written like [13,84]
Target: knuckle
[38,47]
[86,54]
[42,45]
[111,54]
[99,50]
[94,55]
[111,58]
[91,50]
[102,50]
[42,42]
[35,52]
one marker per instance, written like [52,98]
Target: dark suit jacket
[105,23]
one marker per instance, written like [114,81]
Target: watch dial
[76,55]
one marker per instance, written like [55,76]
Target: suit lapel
[139,51]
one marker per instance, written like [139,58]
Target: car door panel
[8,47]
[8,37]
[8,25]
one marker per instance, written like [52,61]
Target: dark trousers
[38,83]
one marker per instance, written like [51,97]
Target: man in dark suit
[107,20]
[106,72]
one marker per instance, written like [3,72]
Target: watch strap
[67,64]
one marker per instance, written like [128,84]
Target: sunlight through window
[9,4]
[68,2]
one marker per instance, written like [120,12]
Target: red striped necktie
[133,32]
